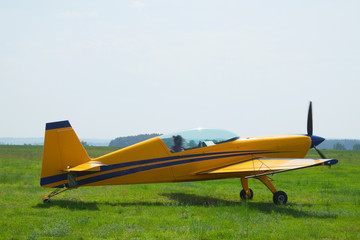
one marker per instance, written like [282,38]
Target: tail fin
[62,150]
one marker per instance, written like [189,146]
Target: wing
[264,166]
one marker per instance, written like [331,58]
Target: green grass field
[323,203]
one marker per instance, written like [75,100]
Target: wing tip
[331,162]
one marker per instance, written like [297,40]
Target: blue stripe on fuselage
[60,177]
[155,160]
[53,179]
[195,158]
[155,166]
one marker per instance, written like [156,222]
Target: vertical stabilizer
[62,150]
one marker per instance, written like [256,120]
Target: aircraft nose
[316,140]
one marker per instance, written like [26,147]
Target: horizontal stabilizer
[88,166]
[264,166]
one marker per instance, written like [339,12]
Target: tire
[46,200]
[280,198]
[244,196]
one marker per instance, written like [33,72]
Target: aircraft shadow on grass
[185,199]
[69,204]
[264,207]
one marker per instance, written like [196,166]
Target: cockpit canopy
[196,138]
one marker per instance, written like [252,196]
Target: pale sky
[118,68]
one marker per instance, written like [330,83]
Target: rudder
[62,150]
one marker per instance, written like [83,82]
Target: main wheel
[280,198]
[46,200]
[244,196]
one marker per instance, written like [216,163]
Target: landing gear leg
[46,199]
[279,197]
[246,192]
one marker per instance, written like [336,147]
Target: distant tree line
[356,147]
[340,144]
[131,140]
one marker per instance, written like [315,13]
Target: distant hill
[21,141]
[131,140]
[40,141]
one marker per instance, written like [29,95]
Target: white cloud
[78,15]
[138,4]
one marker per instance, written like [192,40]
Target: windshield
[195,138]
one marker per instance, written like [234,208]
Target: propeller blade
[320,153]
[310,121]
[314,139]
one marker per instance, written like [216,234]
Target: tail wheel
[244,196]
[280,198]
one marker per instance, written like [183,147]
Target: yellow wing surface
[91,166]
[264,166]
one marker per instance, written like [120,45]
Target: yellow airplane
[193,155]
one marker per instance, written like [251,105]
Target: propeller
[310,121]
[320,153]
[315,140]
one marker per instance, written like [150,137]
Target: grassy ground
[323,204]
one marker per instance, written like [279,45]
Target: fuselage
[151,161]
